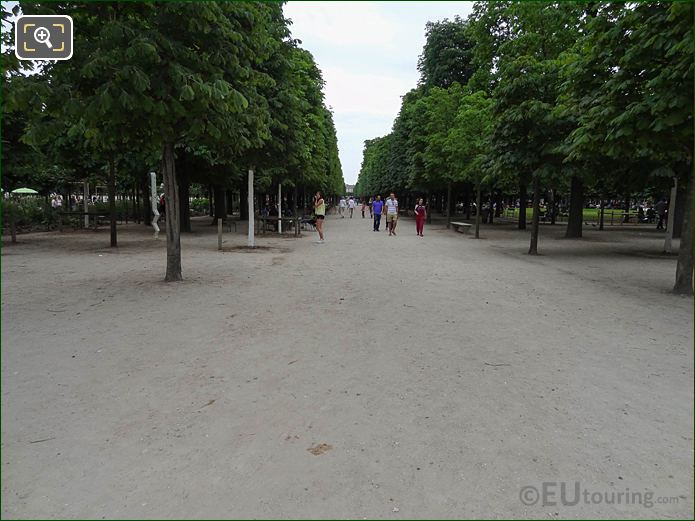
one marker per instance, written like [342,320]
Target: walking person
[351,205]
[320,215]
[392,213]
[371,201]
[420,216]
[341,207]
[377,205]
[660,208]
[364,207]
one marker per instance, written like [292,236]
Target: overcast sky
[368,54]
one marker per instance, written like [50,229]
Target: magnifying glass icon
[42,35]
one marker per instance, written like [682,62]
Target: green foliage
[468,141]
[527,127]
[447,57]
[599,91]
[223,81]
[27,212]
[630,84]
[374,164]
[200,205]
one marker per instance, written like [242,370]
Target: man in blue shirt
[377,205]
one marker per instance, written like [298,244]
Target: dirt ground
[368,377]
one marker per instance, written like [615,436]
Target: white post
[279,207]
[252,212]
[671,217]
[155,202]
[85,205]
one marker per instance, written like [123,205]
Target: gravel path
[368,377]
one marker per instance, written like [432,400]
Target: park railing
[611,217]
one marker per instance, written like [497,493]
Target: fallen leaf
[319,449]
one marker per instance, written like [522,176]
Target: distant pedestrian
[420,215]
[56,202]
[660,208]
[364,207]
[392,213]
[319,215]
[162,205]
[342,204]
[371,201]
[377,205]
[351,205]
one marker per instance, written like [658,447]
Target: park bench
[308,222]
[292,222]
[93,216]
[228,224]
[461,227]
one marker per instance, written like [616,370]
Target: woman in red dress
[420,214]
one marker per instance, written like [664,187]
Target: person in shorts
[319,214]
[392,213]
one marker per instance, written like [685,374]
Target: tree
[528,129]
[447,55]
[468,143]
[139,77]
[640,109]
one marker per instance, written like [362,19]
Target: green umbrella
[24,191]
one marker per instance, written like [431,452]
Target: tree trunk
[13,222]
[184,200]
[220,204]
[430,205]
[490,213]
[478,202]
[144,185]
[626,217]
[171,197]
[467,202]
[229,196]
[251,238]
[112,202]
[679,212]
[522,205]
[535,222]
[551,206]
[243,204]
[601,212]
[576,213]
[211,211]
[684,269]
[448,205]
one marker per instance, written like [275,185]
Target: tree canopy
[216,87]
[568,97]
